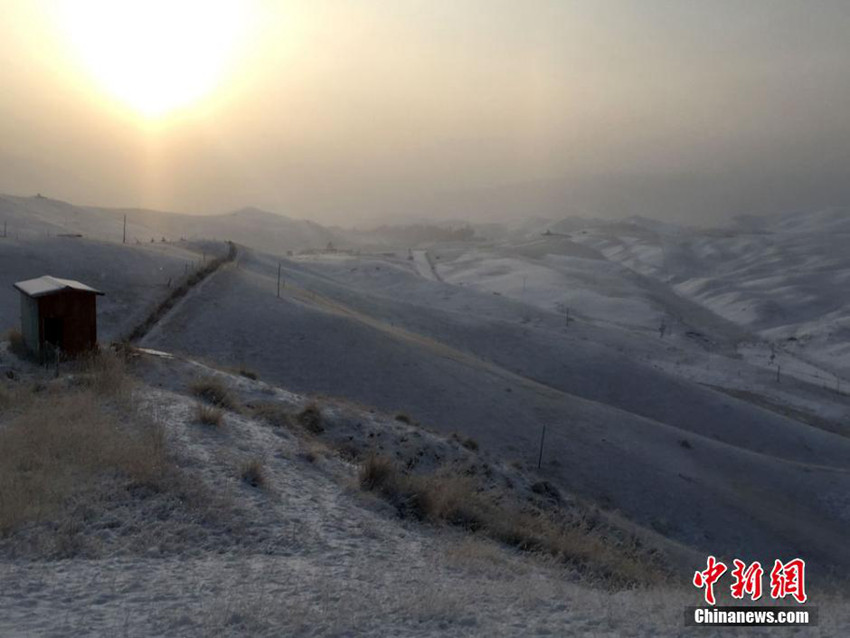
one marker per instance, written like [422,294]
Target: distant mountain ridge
[264,230]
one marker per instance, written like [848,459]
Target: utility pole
[124,240]
[278,280]
[540,455]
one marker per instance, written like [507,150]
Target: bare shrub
[213,391]
[208,415]
[310,418]
[253,473]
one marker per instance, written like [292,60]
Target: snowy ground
[372,330]
[693,382]
[308,555]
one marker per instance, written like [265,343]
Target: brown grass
[8,397]
[105,372]
[273,414]
[310,418]
[379,474]
[17,346]
[315,450]
[253,473]
[468,442]
[63,445]
[208,415]
[450,498]
[248,374]
[213,391]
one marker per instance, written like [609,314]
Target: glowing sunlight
[156,56]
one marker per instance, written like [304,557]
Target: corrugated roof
[48,285]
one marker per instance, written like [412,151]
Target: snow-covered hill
[783,278]
[36,217]
[644,349]
[625,425]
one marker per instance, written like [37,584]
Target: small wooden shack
[58,314]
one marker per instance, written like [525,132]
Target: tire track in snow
[424,265]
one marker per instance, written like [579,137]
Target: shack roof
[48,285]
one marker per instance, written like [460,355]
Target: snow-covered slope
[305,553]
[783,278]
[624,427]
[629,342]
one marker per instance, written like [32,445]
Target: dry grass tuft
[248,374]
[63,445]
[440,497]
[468,442]
[209,415]
[454,499]
[105,372]
[213,391]
[379,474]
[253,473]
[17,346]
[273,414]
[315,450]
[310,418]
[9,397]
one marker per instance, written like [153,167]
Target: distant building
[58,313]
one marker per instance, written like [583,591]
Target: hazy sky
[343,111]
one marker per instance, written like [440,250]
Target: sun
[155,56]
